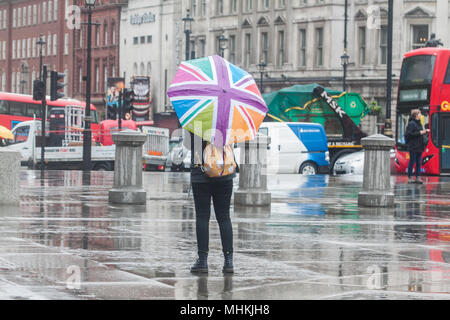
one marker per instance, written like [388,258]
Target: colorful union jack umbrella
[220,99]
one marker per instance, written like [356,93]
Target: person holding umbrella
[220,104]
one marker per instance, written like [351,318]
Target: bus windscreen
[418,70]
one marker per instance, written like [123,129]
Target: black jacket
[416,142]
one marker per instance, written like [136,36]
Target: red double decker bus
[15,108]
[425,84]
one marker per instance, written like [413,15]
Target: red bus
[425,84]
[15,108]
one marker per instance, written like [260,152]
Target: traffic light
[128,99]
[38,90]
[55,85]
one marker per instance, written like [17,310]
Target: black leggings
[220,192]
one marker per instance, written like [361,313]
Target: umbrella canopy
[217,100]
[5,133]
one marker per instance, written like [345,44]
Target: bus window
[402,122]
[434,130]
[33,109]
[16,108]
[447,74]
[3,107]
[21,134]
[417,70]
[94,116]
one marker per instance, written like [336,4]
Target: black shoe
[411,180]
[228,263]
[418,181]
[201,265]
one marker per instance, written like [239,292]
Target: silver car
[353,163]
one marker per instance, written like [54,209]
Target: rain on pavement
[65,241]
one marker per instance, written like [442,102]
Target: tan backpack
[218,161]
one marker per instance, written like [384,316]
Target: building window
[80,83]
[113,33]
[55,46]
[219,7]
[319,47]
[29,48]
[303,47]
[149,39]
[234,6]
[281,50]
[142,39]
[14,18]
[233,49]
[30,15]
[55,11]
[66,44]
[105,77]
[19,17]
[202,48]
[135,40]
[383,45]
[14,49]
[265,47]
[192,48]
[34,14]
[419,36]
[105,34]
[248,49]
[44,12]
[194,7]
[249,5]
[97,35]
[49,45]
[203,8]
[50,12]
[97,79]
[362,45]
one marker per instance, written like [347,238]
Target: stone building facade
[302,41]
[105,50]
[21,24]
[151,45]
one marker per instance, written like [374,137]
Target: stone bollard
[376,191]
[127,187]
[252,173]
[9,177]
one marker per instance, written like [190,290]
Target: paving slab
[65,241]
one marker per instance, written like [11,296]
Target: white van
[295,148]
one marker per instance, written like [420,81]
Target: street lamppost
[344,61]
[388,122]
[87,136]
[222,44]
[345,57]
[262,64]
[41,42]
[187,30]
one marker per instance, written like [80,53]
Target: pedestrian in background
[205,188]
[414,138]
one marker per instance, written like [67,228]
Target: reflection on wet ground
[66,242]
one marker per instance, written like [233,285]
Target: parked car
[353,163]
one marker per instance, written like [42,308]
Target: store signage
[139,19]
[445,106]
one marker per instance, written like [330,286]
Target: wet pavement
[65,241]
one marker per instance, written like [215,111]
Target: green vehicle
[340,113]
